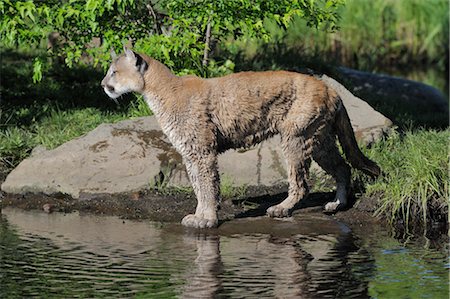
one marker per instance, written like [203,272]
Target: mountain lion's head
[126,74]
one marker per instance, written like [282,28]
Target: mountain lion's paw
[332,207]
[197,222]
[278,211]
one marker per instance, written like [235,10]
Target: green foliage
[372,35]
[416,174]
[37,70]
[172,31]
[418,28]
[239,16]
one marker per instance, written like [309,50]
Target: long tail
[348,142]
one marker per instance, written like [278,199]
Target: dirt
[171,206]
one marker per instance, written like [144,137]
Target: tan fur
[204,117]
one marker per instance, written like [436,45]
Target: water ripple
[75,256]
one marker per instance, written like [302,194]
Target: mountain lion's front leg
[204,176]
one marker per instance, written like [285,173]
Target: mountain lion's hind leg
[297,151]
[204,176]
[328,157]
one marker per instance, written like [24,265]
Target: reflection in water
[55,255]
[203,278]
[85,256]
[255,266]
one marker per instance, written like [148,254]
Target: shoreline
[173,206]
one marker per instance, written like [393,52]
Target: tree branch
[207,41]
[156,24]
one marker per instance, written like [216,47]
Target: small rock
[48,208]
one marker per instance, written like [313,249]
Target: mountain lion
[205,117]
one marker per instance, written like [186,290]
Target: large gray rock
[134,154]
[369,125]
[112,158]
[388,88]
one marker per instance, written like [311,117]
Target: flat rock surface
[133,155]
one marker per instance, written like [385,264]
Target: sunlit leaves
[37,70]
[113,23]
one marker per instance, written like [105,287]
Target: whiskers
[116,99]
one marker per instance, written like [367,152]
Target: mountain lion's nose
[106,86]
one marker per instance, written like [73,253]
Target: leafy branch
[178,32]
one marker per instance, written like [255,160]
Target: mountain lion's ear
[141,64]
[128,53]
[113,54]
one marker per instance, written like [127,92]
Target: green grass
[229,190]
[414,186]
[227,187]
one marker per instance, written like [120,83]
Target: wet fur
[204,117]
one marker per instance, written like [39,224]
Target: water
[307,256]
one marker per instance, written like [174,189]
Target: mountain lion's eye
[113,73]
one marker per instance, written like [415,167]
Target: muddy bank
[172,206]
